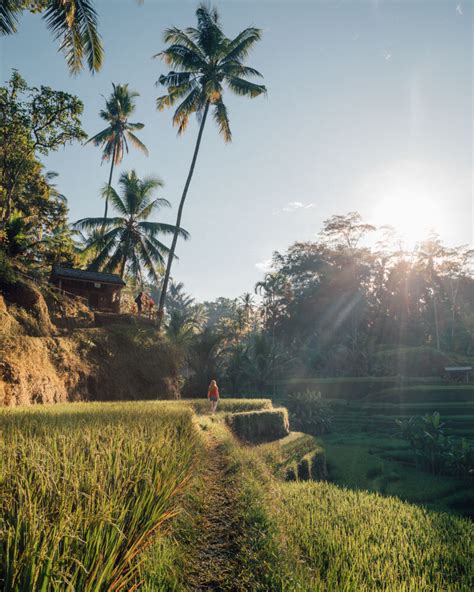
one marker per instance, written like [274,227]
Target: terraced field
[157,497]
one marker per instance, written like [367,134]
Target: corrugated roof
[87,276]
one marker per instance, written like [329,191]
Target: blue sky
[369,108]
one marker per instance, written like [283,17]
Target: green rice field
[132,496]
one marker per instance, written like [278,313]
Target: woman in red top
[213,395]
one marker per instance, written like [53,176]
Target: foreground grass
[84,488]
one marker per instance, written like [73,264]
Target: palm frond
[173,78]
[235,68]
[147,210]
[136,142]
[135,126]
[150,257]
[153,228]
[210,32]
[190,105]
[177,36]
[113,264]
[222,120]
[93,223]
[104,245]
[239,48]
[101,138]
[180,57]
[75,25]
[213,90]
[115,200]
[174,94]
[244,87]
[9,11]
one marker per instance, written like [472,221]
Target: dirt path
[213,561]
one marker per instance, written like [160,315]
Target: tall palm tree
[203,60]
[130,241]
[115,137]
[73,23]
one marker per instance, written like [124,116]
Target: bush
[309,413]
[260,426]
[312,467]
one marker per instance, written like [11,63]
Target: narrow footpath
[213,563]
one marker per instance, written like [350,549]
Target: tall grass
[357,541]
[201,406]
[83,489]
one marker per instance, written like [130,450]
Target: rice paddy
[124,496]
[357,541]
[84,487]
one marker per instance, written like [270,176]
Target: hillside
[50,351]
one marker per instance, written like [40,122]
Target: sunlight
[412,202]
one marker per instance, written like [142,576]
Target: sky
[369,108]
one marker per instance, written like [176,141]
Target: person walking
[213,395]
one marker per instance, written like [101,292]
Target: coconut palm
[72,22]
[130,241]
[203,61]
[115,137]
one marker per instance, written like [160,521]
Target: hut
[458,373]
[101,291]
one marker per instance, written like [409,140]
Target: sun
[411,201]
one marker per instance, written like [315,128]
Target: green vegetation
[348,540]
[73,24]
[129,241]
[115,137]
[85,487]
[180,504]
[353,340]
[203,60]
[260,426]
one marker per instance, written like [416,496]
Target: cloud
[387,56]
[459,9]
[264,265]
[294,206]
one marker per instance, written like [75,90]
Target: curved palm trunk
[108,187]
[161,306]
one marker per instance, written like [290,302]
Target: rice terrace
[236,296]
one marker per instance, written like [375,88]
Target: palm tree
[73,23]
[203,59]
[130,240]
[115,137]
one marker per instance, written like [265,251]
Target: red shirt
[213,392]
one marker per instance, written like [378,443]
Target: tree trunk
[108,188]
[161,306]
[435,310]
[122,266]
